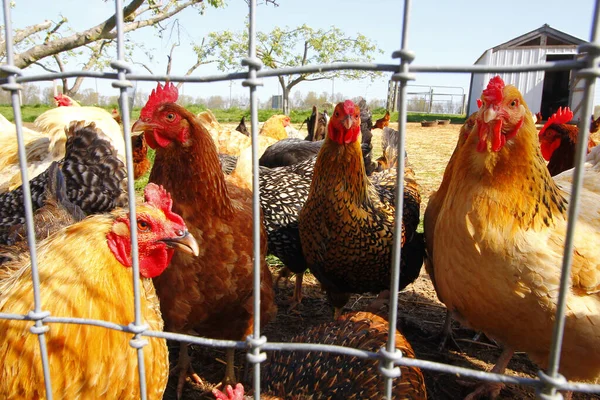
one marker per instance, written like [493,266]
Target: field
[420,313]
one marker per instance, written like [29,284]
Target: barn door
[576,88]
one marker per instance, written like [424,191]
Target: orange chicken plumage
[499,240]
[85,273]
[211,295]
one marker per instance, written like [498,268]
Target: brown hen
[211,295]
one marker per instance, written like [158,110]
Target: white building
[543,91]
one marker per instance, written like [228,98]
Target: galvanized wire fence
[390,358]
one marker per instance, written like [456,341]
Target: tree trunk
[286,101]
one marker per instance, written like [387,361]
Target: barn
[543,91]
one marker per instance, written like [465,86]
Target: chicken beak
[348,122]
[142,126]
[489,115]
[185,243]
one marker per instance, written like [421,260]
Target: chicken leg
[184,366]
[492,389]
[229,378]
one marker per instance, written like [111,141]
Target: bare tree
[48,42]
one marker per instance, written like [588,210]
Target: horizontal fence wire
[546,385]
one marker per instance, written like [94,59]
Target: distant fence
[429,99]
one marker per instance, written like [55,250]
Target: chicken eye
[170,117]
[143,226]
[514,103]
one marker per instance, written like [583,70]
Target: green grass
[231,115]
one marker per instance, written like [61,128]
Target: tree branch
[22,34]
[105,30]
[96,54]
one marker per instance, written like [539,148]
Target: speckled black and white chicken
[95,179]
[328,376]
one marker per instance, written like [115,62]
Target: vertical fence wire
[553,378]
[389,355]
[137,326]
[255,357]
[37,314]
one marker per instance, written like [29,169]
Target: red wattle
[498,140]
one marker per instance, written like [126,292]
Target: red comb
[62,100]
[160,95]
[493,93]
[158,197]
[349,107]
[561,116]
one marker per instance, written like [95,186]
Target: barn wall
[530,84]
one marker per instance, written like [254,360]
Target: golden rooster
[499,241]
[347,223]
[210,295]
[85,273]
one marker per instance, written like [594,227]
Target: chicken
[62,100]
[434,204]
[211,295]
[317,125]
[95,178]
[382,122]
[47,143]
[141,163]
[289,151]
[56,213]
[558,140]
[116,116]
[499,241]
[242,127]
[389,146]
[283,192]
[347,223]
[306,375]
[85,272]
[227,141]
[538,118]
[275,127]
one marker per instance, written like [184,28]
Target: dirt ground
[421,315]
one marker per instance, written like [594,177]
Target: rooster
[499,241]
[210,295]
[94,176]
[85,273]
[307,375]
[347,223]
[558,140]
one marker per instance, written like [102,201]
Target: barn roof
[545,36]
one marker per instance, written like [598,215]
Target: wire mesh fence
[122,77]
